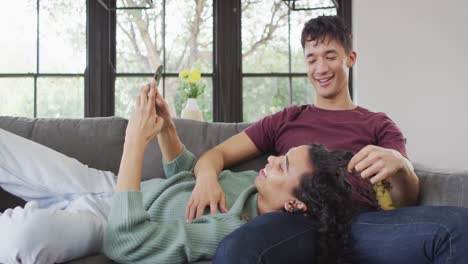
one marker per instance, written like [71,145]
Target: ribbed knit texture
[148,226]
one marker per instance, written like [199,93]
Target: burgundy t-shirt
[349,130]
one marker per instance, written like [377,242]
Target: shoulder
[291,112]
[288,113]
[377,117]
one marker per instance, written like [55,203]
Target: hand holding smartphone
[158,74]
[157,78]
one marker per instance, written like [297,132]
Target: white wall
[413,65]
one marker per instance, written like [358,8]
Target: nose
[321,66]
[273,162]
[270,159]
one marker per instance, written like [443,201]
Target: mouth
[325,81]
[263,173]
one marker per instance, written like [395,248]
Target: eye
[331,58]
[311,62]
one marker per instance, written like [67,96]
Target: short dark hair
[321,27]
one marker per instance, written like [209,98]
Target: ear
[295,206]
[352,57]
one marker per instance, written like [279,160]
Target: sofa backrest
[98,143]
[198,137]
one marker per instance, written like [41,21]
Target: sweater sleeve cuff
[184,162]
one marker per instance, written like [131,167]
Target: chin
[256,183]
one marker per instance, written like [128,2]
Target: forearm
[169,143]
[236,149]
[210,164]
[405,186]
[129,177]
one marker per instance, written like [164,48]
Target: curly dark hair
[321,27]
[328,194]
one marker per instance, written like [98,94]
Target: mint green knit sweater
[148,226]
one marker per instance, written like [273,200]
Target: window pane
[302,91]
[189,35]
[313,4]
[298,19]
[177,102]
[139,39]
[264,36]
[18,36]
[17,97]
[60,97]
[264,96]
[62,43]
[126,90]
[134,3]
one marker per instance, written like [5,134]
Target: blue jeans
[407,235]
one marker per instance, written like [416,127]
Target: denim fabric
[269,238]
[407,235]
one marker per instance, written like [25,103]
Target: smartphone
[158,74]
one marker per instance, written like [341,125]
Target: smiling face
[277,181]
[328,67]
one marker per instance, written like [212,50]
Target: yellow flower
[194,76]
[184,74]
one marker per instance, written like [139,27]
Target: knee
[32,233]
[261,240]
[234,248]
[447,225]
[33,240]
[453,219]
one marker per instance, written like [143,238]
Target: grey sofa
[98,142]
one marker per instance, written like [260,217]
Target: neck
[262,206]
[339,102]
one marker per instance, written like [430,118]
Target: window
[43,55]
[177,34]
[273,69]
[248,50]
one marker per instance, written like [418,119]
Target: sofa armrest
[442,187]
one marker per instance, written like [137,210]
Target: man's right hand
[207,193]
